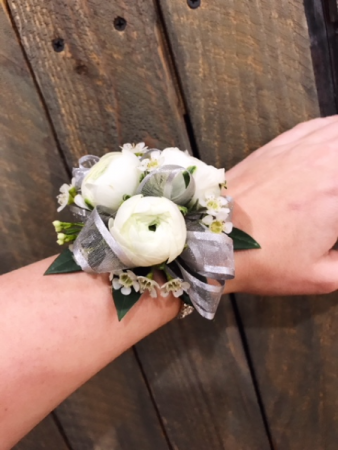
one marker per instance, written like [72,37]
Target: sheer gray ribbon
[171,181]
[85,164]
[95,249]
[207,255]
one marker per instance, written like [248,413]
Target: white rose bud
[115,175]
[150,230]
[207,178]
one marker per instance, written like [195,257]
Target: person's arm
[58,331]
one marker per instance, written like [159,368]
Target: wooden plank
[322,35]
[108,86]
[125,79]
[112,411]
[249,65]
[30,174]
[246,71]
[30,168]
[45,436]
[201,383]
[294,348]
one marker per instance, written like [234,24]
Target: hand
[286,197]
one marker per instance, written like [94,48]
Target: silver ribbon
[95,249]
[85,164]
[169,181]
[207,255]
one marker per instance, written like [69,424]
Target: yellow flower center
[213,204]
[216,226]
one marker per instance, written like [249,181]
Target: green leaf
[124,303]
[64,263]
[186,299]
[242,241]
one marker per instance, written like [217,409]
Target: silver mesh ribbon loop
[169,181]
[205,297]
[95,249]
[85,164]
[210,255]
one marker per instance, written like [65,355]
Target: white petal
[208,220]
[110,223]
[116,283]
[60,208]
[227,227]
[153,293]
[126,290]
[178,293]
[136,286]
[78,200]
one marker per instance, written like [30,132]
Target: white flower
[154,161]
[138,149]
[176,286]
[150,230]
[218,224]
[146,284]
[66,195]
[207,178]
[125,280]
[215,204]
[115,175]
[175,156]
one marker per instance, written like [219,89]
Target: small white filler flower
[218,224]
[125,281]
[137,149]
[146,284]
[153,162]
[215,204]
[176,286]
[66,196]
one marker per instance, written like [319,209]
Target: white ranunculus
[115,175]
[175,156]
[150,230]
[207,178]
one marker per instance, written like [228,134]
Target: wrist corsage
[141,210]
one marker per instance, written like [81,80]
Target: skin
[286,196]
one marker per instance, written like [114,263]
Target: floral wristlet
[141,210]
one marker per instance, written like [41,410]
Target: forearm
[55,333]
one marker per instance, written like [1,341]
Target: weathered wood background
[221,78]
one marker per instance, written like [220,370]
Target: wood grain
[200,380]
[30,173]
[45,436]
[246,70]
[30,168]
[112,411]
[294,347]
[106,87]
